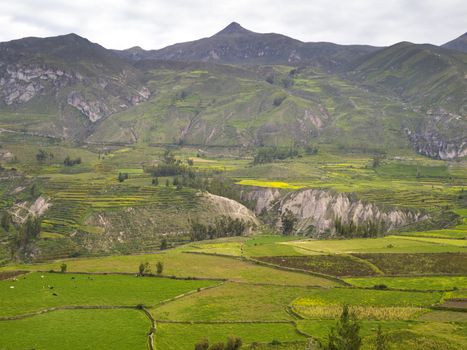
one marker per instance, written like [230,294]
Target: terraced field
[263,305]
[274,291]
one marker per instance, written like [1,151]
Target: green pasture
[182,264]
[413,283]
[77,329]
[36,291]
[234,302]
[388,244]
[179,336]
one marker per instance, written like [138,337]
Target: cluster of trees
[377,159]
[27,232]
[170,166]
[5,221]
[270,154]
[367,229]
[145,268]
[224,226]
[70,162]
[232,343]
[43,155]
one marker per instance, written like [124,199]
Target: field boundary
[262,263]
[150,275]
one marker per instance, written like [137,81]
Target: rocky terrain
[316,210]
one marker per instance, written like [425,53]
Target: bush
[269,154]
[159,267]
[71,162]
[63,268]
[278,100]
[380,286]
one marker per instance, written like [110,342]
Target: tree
[5,221]
[233,343]
[203,344]
[42,156]
[381,340]
[144,268]
[70,162]
[155,181]
[122,177]
[167,183]
[141,269]
[164,244]
[190,162]
[288,222]
[346,334]
[63,268]
[159,267]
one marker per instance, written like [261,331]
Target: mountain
[237,45]
[459,44]
[63,85]
[359,97]
[431,81]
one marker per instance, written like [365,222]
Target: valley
[225,187]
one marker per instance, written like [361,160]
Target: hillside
[237,45]
[61,86]
[459,44]
[431,81]
[249,92]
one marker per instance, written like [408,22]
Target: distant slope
[459,44]
[236,45]
[432,81]
[62,85]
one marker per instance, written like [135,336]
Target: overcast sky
[154,24]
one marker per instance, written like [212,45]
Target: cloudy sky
[154,24]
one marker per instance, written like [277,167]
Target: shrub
[63,268]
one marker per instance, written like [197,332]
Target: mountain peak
[233,28]
[459,44]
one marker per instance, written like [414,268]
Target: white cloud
[158,23]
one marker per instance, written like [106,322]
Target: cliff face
[317,210]
[95,97]
[19,84]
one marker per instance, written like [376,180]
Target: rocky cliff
[316,211]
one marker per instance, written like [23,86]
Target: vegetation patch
[77,329]
[37,291]
[234,302]
[177,336]
[336,265]
[421,263]
[177,263]
[361,312]
[412,283]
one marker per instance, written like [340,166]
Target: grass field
[418,263]
[414,283]
[37,291]
[389,244]
[175,336]
[234,302]
[77,329]
[335,264]
[401,334]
